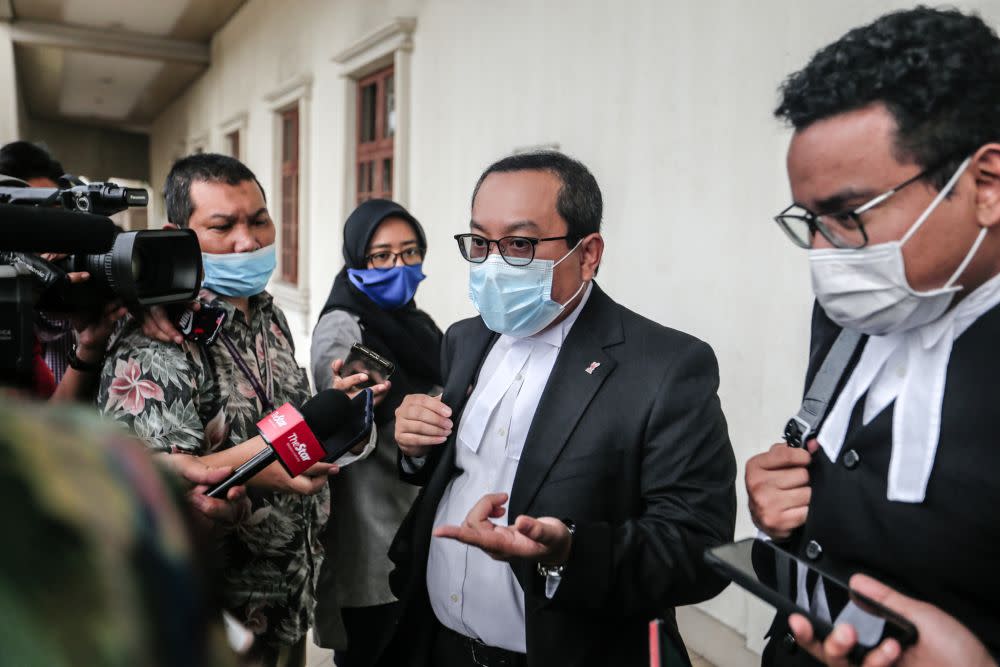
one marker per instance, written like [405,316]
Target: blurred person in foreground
[101,564]
[206,400]
[894,168]
[372,303]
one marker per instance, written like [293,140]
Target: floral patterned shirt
[195,399]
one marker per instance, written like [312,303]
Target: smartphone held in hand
[365,360]
[773,574]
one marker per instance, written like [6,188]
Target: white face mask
[866,289]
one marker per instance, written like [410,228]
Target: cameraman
[36,167]
[70,350]
[69,347]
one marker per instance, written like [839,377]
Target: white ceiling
[111,62]
[151,18]
[103,86]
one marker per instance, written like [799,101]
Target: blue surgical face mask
[516,300]
[238,273]
[388,288]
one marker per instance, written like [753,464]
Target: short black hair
[579,201]
[207,167]
[24,160]
[936,71]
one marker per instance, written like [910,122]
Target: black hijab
[407,336]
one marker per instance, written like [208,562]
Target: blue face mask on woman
[388,288]
[516,300]
[238,273]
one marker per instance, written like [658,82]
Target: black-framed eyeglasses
[385,259]
[515,250]
[843,229]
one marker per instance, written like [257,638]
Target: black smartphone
[365,360]
[354,430]
[201,325]
[756,564]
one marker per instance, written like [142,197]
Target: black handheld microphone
[44,229]
[295,438]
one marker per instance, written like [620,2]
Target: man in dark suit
[601,428]
[894,168]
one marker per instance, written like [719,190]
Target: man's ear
[986,169]
[591,252]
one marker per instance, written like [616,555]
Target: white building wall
[11,105]
[669,103]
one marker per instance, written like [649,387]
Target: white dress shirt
[470,592]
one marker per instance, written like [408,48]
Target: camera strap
[265,398]
[805,424]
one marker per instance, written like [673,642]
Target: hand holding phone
[362,359]
[769,572]
[942,639]
[353,431]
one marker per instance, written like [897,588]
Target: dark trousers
[366,629]
[451,649]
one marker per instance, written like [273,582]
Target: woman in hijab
[371,303]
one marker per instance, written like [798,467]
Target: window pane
[387,177]
[362,183]
[289,228]
[290,135]
[368,113]
[290,195]
[390,106]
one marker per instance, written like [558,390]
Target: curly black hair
[937,71]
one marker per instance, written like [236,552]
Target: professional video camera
[141,268]
[96,198]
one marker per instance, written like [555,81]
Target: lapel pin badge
[592,367]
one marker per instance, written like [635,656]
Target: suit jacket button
[813,550]
[851,459]
[788,643]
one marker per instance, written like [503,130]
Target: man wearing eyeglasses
[895,172]
[577,463]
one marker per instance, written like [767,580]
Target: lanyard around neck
[264,396]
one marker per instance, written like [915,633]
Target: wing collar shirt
[470,592]
[910,368]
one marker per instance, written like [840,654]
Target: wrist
[555,565]
[84,359]
[89,354]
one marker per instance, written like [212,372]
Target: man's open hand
[546,540]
